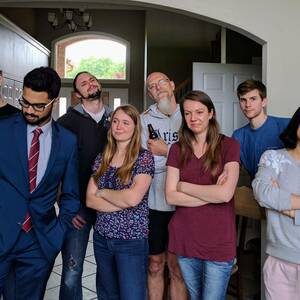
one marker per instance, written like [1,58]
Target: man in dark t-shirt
[5,108]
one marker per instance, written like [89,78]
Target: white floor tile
[89,249]
[89,282]
[58,260]
[52,294]
[53,281]
[91,259]
[88,295]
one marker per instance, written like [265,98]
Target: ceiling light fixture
[72,18]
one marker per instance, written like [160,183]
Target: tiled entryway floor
[88,276]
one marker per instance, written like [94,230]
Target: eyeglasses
[36,106]
[160,83]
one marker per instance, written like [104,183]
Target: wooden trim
[246,205]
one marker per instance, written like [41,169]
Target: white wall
[276,25]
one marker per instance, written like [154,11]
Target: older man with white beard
[165,118]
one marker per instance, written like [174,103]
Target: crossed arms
[187,194]
[267,191]
[108,200]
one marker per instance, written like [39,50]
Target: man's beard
[37,120]
[92,97]
[164,106]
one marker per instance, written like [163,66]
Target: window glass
[103,57]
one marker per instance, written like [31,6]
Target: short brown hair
[250,85]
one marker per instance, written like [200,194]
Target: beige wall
[276,24]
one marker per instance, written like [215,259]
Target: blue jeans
[121,268]
[73,254]
[206,280]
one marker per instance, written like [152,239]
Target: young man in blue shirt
[262,131]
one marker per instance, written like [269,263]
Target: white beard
[164,106]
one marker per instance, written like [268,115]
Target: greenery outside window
[105,56]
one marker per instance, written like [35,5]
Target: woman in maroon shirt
[203,169]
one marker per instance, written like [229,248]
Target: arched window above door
[105,56]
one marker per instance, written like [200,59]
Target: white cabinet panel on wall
[11,91]
[19,51]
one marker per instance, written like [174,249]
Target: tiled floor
[88,277]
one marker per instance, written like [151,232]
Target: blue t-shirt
[254,142]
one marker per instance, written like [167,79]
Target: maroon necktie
[32,167]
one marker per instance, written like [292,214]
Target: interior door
[220,81]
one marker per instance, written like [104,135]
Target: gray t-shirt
[167,129]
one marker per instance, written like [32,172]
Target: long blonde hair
[212,154]
[132,151]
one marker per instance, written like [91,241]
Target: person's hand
[274,183]
[157,147]
[222,178]
[289,213]
[78,222]
[99,193]
[179,186]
